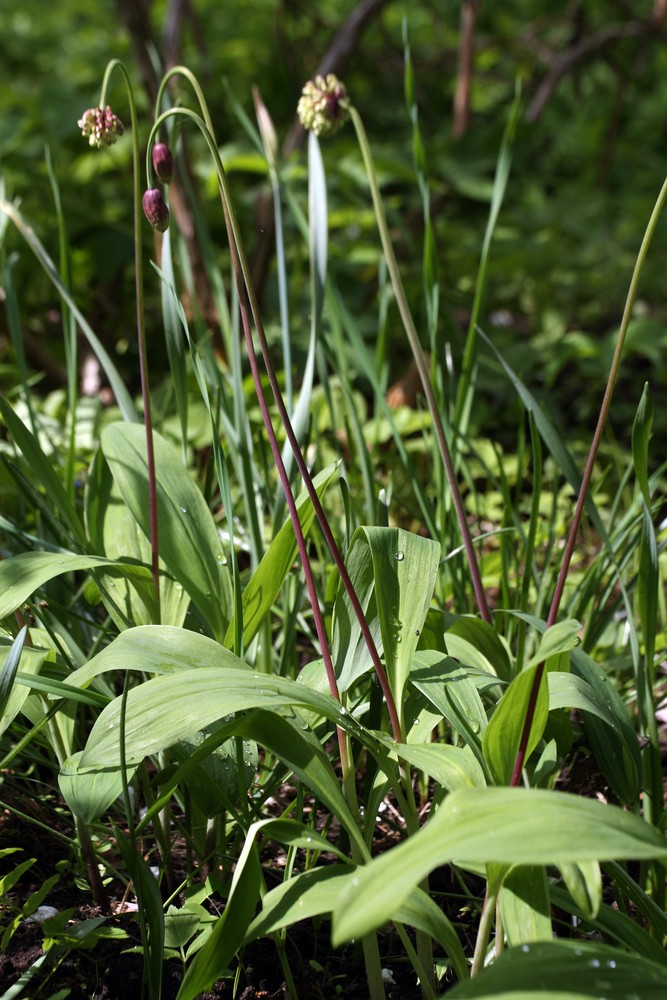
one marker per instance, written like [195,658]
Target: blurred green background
[588,162]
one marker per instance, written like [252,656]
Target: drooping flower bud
[155,209]
[100,126]
[323,105]
[163,162]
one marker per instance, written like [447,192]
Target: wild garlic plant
[185,714]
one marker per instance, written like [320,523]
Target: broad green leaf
[397,571]
[616,748]
[156,649]
[494,825]
[89,793]
[114,531]
[448,686]
[25,573]
[525,906]
[615,926]
[265,583]
[476,643]
[503,733]
[314,893]
[188,539]
[566,970]
[584,883]
[452,767]
[560,638]
[571,691]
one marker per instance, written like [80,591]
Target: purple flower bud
[163,162]
[155,209]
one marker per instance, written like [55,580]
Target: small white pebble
[41,914]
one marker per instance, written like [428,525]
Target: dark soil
[106,971]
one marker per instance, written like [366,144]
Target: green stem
[420,362]
[141,330]
[483,933]
[588,470]
[236,246]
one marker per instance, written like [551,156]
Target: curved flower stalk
[102,127]
[323,107]
[244,280]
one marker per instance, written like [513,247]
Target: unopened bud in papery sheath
[163,162]
[155,209]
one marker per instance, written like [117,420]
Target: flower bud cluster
[323,105]
[100,126]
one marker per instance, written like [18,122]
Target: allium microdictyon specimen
[100,126]
[163,162]
[323,105]
[155,209]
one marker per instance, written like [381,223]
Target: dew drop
[525,948]
[595,963]
[184,510]
[611,963]
[343,710]
[355,881]
[399,556]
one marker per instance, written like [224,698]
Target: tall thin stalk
[141,329]
[588,471]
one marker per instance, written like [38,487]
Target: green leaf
[12,696]
[476,643]
[503,733]
[314,893]
[116,382]
[641,435]
[499,825]
[265,583]
[150,902]
[89,793]
[584,883]
[560,638]
[229,931]
[396,571]
[114,531]
[571,691]
[42,471]
[156,649]
[616,747]
[188,540]
[25,573]
[615,925]
[566,970]
[448,687]
[525,906]
[452,767]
